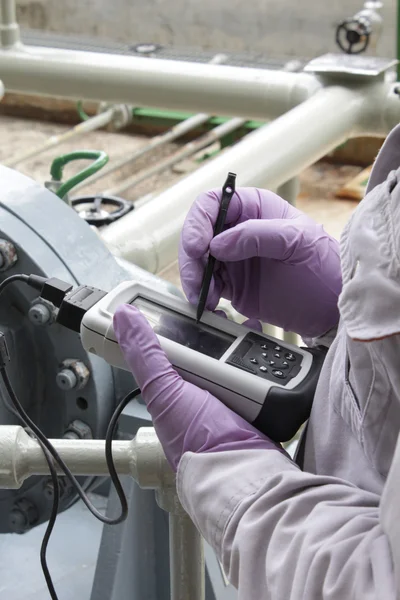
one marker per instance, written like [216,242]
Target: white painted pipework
[143,459]
[172,85]
[9,28]
[269,156]
[21,456]
[157,141]
[188,150]
[92,124]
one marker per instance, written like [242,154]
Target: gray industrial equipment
[69,393]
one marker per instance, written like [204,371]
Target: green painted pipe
[164,117]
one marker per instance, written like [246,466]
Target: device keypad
[266,359]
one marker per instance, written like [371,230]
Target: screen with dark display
[184,330]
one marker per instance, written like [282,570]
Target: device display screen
[184,330]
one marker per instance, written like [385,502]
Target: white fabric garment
[332,530]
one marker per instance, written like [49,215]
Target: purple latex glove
[275,263]
[185,417]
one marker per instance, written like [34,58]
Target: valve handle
[353,32]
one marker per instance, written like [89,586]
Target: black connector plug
[54,290]
[76,304]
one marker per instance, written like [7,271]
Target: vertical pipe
[398,39]
[186,559]
[289,191]
[9,28]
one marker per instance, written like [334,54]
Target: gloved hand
[185,417]
[275,263]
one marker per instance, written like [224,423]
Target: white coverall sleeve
[283,534]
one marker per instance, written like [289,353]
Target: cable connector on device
[75,304]
[54,290]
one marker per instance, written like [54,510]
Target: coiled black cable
[52,456]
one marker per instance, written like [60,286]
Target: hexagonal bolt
[40,314]
[66,380]
[78,430]
[23,516]
[8,255]
[73,374]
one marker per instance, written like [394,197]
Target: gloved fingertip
[128,318]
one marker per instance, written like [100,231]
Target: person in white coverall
[326,527]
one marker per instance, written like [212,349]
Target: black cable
[67,472]
[51,522]
[17,277]
[40,435]
[51,453]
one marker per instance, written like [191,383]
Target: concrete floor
[318,183]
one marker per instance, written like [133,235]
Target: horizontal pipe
[155,83]
[188,150]
[21,456]
[91,124]
[179,130]
[269,156]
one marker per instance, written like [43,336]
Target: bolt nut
[78,430]
[8,255]
[23,516]
[66,380]
[73,374]
[40,314]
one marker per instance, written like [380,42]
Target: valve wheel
[352,33]
[101,210]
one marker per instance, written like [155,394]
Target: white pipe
[186,559]
[270,156]
[21,456]
[172,134]
[91,124]
[172,85]
[188,150]
[160,140]
[9,28]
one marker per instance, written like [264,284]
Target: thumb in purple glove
[185,417]
[274,262]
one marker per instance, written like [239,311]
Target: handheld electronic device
[268,382]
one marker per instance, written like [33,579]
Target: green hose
[82,114]
[100,159]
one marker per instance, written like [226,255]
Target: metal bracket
[350,65]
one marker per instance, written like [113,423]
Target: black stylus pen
[227,192]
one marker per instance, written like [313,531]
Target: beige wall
[272,27]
